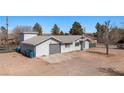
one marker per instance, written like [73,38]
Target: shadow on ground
[101,53]
[111,71]
[96,52]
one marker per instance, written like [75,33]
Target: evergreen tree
[55,30]
[37,28]
[61,33]
[76,29]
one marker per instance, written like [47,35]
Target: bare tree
[106,35]
[19,29]
[115,35]
[3,34]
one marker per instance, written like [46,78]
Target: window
[67,45]
[77,44]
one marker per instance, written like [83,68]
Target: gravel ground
[92,62]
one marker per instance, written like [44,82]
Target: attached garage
[47,47]
[54,48]
[42,45]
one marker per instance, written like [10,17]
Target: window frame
[67,45]
[77,44]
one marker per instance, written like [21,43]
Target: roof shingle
[62,39]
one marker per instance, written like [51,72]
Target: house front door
[82,44]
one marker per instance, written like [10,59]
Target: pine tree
[76,29]
[55,30]
[37,28]
[61,33]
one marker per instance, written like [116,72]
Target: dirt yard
[92,62]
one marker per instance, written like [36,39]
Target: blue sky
[64,22]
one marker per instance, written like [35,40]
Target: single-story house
[47,45]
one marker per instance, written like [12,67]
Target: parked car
[120,44]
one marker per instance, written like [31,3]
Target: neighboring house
[47,45]
[10,39]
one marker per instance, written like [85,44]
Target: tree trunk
[107,49]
